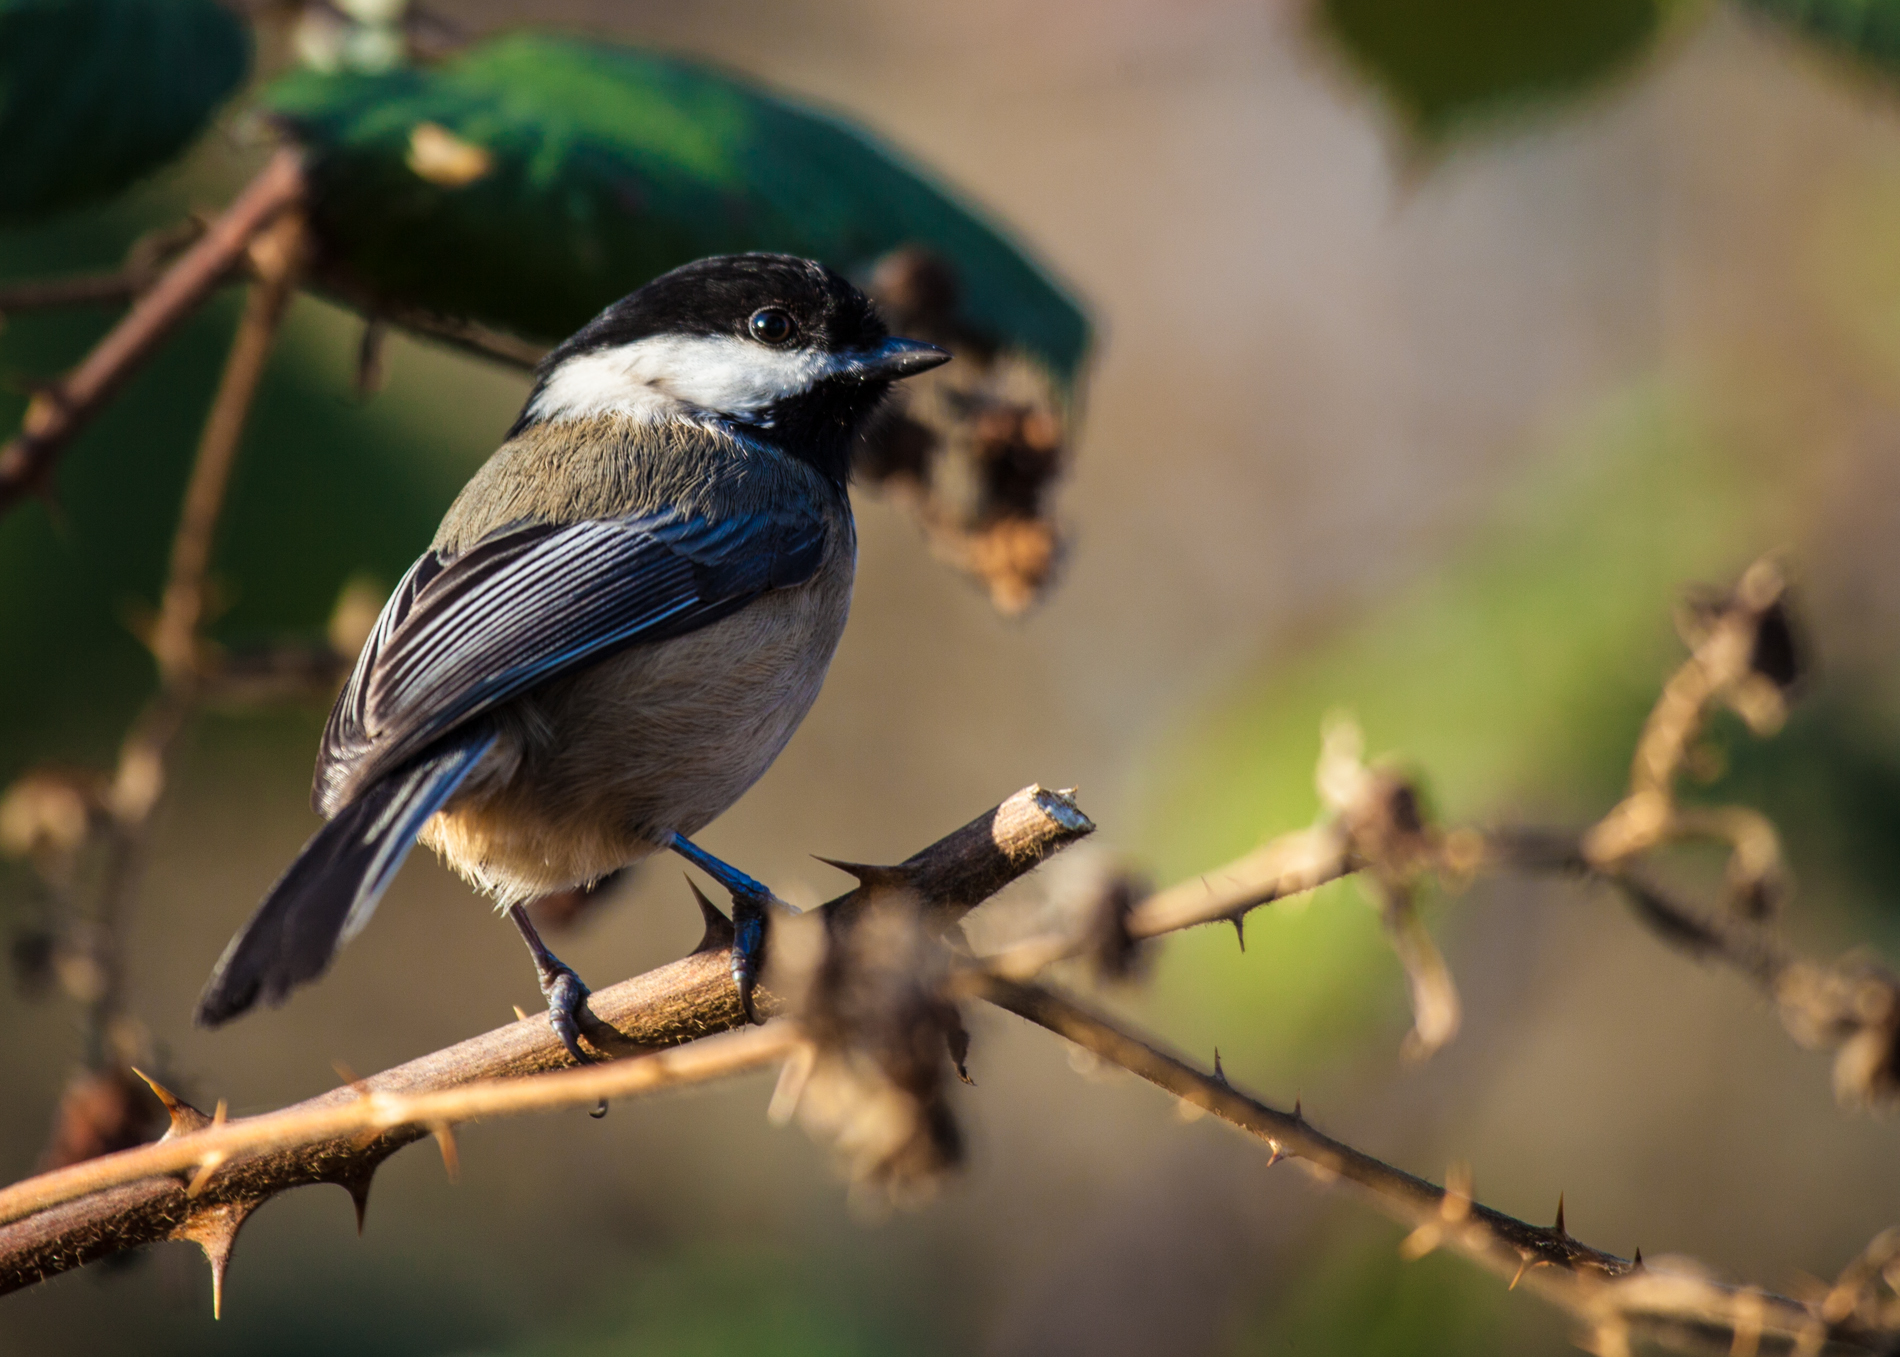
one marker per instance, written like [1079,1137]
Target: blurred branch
[1616,1298]
[687,999]
[143,263]
[275,256]
[56,416]
[102,1108]
[1744,655]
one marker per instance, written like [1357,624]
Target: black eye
[772,326]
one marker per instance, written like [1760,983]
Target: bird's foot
[560,986]
[749,901]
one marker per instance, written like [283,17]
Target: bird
[619,624]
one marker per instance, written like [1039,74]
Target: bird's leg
[563,990]
[749,899]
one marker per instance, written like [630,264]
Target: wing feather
[530,602]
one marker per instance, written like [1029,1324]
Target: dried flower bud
[1387,826]
[1116,954]
[1778,654]
[1854,1006]
[46,811]
[99,1112]
[917,290]
[975,447]
[876,1010]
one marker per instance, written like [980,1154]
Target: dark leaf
[1446,63]
[533,179]
[96,93]
[99,1112]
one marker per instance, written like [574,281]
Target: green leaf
[534,179]
[1447,63]
[95,93]
[1868,29]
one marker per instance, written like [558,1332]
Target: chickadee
[621,621]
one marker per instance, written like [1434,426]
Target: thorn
[202,1178]
[792,1076]
[451,1157]
[1239,921]
[1638,1260]
[1298,1113]
[719,932]
[356,1181]
[1522,1268]
[521,1014]
[1421,1241]
[1275,1154]
[957,1038]
[215,1231]
[185,1117]
[1220,1075]
[870,877]
[351,1077]
[1559,1226]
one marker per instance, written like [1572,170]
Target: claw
[748,951]
[749,901]
[565,994]
[560,986]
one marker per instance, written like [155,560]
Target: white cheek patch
[655,376]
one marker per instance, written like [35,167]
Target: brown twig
[275,256]
[143,263]
[86,289]
[1610,1294]
[687,999]
[55,417]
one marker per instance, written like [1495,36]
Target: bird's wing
[529,602]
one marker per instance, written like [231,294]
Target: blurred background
[1421,416]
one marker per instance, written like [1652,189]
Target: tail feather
[330,891]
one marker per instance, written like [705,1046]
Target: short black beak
[895,359]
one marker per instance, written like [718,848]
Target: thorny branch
[874,998]
[875,1003]
[1744,655]
[201,1145]
[676,1003]
[1615,1298]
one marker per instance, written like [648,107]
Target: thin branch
[85,289]
[1289,865]
[457,332]
[275,256]
[199,1145]
[148,255]
[687,999]
[1742,655]
[1607,1292]
[55,417]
